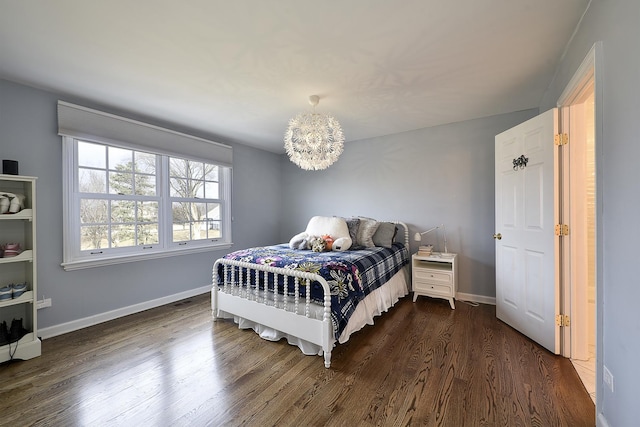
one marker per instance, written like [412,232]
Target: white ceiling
[239,69]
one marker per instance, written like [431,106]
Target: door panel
[533,198]
[509,200]
[526,288]
[510,269]
[535,303]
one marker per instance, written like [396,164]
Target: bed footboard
[241,291]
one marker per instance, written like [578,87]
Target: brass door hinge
[563,320]
[562,230]
[561,139]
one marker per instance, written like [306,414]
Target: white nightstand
[435,276]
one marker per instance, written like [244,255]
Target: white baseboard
[74,325]
[476,298]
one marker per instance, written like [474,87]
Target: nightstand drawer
[431,288]
[433,276]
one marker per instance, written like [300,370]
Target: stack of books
[425,250]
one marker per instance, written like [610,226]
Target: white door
[527,288]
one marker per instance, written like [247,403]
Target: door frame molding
[587,77]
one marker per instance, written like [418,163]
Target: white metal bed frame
[281,312]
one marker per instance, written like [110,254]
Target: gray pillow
[366,231]
[353,224]
[385,234]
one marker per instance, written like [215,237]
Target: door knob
[497,236]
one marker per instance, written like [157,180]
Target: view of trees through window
[194,191]
[121,203]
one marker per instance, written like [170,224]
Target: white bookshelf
[20,228]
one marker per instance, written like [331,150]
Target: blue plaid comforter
[351,275]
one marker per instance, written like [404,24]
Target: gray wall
[616,24]
[443,174]
[28,133]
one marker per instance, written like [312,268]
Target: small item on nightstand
[425,250]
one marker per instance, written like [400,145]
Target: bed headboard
[404,238]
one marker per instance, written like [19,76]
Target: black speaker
[10,167]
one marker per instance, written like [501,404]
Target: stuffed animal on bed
[334,227]
[328,240]
[317,244]
[301,243]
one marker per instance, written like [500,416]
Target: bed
[313,299]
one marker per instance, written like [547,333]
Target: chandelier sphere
[313,141]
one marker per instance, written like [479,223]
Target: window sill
[121,259]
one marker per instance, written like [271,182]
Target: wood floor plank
[421,364]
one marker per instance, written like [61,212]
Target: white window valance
[85,123]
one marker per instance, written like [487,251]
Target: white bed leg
[327,359]
[214,302]
[214,291]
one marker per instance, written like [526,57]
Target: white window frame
[74,258]
[221,200]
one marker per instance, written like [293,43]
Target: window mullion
[164,212]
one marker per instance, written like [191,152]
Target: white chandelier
[313,141]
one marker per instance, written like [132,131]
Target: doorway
[578,208]
[563,314]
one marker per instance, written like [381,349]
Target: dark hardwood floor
[421,364]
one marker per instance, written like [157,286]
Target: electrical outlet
[607,377]
[43,303]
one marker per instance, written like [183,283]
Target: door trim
[587,78]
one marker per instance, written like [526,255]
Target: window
[117,196]
[135,191]
[195,200]
[125,204]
